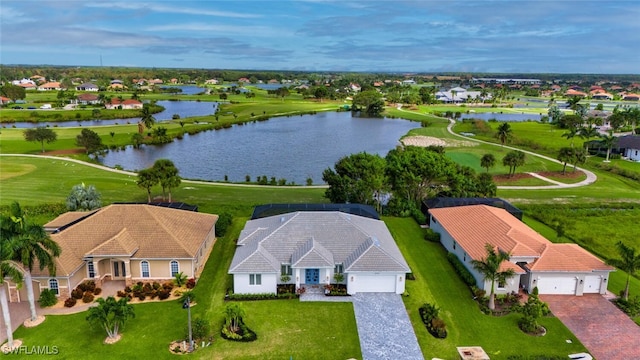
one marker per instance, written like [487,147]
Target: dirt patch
[64,152]
[112,340]
[424,141]
[509,180]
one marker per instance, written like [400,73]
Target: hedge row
[465,275]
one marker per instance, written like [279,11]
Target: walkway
[605,331]
[384,327]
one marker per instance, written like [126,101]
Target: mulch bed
[64,152]
[505,179]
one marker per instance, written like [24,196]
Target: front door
[312,276]
[119,269]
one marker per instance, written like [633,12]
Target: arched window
[53,285]
[144,268]
[175,268]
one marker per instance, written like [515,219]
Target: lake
[182,108]
[293,148]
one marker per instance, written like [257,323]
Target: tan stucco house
[130,242]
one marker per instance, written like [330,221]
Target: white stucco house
[629,146]
[311,246]
[124,242]
[565,269]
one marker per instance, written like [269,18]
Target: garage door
[557,285]
[592,284]
[375,283]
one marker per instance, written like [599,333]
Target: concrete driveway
[607,332]
[384,327]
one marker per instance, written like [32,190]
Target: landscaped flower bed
[86,291]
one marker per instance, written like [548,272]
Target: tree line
[397,183]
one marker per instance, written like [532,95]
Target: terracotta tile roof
[116,101]
[52,85]
[87,97]
[567,257]
[157,232]
[474,226]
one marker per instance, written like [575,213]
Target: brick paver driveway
[19,313]
[607,332]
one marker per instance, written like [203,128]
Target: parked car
[18,107]
[45,106]
[31,108]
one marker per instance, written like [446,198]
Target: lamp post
[187,305]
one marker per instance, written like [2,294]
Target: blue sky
[558,36]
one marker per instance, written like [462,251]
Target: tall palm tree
[570,134]
[588,133]
[504,132]
[579,157]
[629,262]
[32,244]
[147,118]
[608,141]
[565,155]
[489,267]
[9,270]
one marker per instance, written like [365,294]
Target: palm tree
[504,132]
[111,314]
[167,174]
[489,267]
[579,157]
[629,262]
[35,245]
[147,179]
[565,155]
[570,134]
[147,118]
[9,270]
[488,161]
[233,316]
[588,133]
[608,141]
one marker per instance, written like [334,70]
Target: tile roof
[474,226]
[319,238]
[156,232]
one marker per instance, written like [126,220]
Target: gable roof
[474,226]
[139,230]
[317,239]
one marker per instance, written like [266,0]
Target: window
[90,269]
[255,279]
[339,269]
[434,220]
[175,268]
[465,257]
[454,244]
[502,284]
[144,268]
[285,269]
[53,285]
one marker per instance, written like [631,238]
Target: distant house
[459,95]
[573,92]
[629,146]
[124,242]
[155,82]
[631,97]
[602,96]
[4,100]
[173,81]
[211,82]
[562,269]
[244,80]
[50,86]
[28,86]
[125,104]
[88,99]
[309,247]
[87,87]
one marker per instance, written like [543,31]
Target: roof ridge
[173,237]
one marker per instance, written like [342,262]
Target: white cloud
[172,9]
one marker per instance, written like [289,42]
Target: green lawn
[436,282]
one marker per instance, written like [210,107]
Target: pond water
[293,148]
[182,108]
[186,89]
[502,117]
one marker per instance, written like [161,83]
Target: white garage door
[375,283]
[557,285]
[592,284]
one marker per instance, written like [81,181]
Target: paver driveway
[606,331]
[384,328]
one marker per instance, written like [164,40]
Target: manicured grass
[285,328]
[34,181]
[568,178]
[436,282]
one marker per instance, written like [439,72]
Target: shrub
[127,289]
[88,297]
[630,307]
[88,285]
[121,293]
[191,283]
[70,302]
[435,325]
[141,297]
[168,285]
[156,285]
[77,293]
[97,291]
[180,279]
[47,298]
[431,235]
[164,294]
[224,220]
[200,328]
[459,267]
